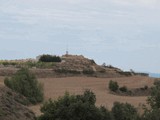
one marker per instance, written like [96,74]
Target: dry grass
[55,87]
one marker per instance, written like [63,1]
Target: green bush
[88,71]
[105,114]
[154,99]
[113,86]
[49,58]
[151,115]
[145,87]
[124,111]
[39,64]
[74,107]
[7,63]
[92,61]
[67,71]
[7,82]
[123,89]
[26,84]
[152,112]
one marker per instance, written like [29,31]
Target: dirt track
[55,87]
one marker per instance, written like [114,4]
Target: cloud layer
[117,32]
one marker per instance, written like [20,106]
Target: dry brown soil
[55,87]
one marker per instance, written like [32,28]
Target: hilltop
[70,65]
[74,64]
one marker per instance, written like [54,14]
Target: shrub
[113,86]
[88,96]
[74,107]
[88,71]
[125,73]
[26,84]
[7,82]
[102,71]
[105,114]
[124,111]
[123,89]
[145,87]
[39,64]
[49,58]
[152,112]
[151,115]
[92,61]
[154,99]
[67,71]
[7,63]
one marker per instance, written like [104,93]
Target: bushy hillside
[11,107]
[70,65]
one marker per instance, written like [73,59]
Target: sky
[122,33]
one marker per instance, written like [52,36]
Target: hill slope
[71,65]
[78,65]
[11,108]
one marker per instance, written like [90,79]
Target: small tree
[113,86]
[124,111]
[26,84]
[123,89]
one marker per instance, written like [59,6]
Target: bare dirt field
[55,87]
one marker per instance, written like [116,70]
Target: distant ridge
[69,66]
[155,75]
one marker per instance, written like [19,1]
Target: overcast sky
[123,33]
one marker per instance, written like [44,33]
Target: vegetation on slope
[11,107]
[124,91]
[25,83]
[74,107]
[113,86]
[152,113]
[82,107]
[49,58]
[66,65]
